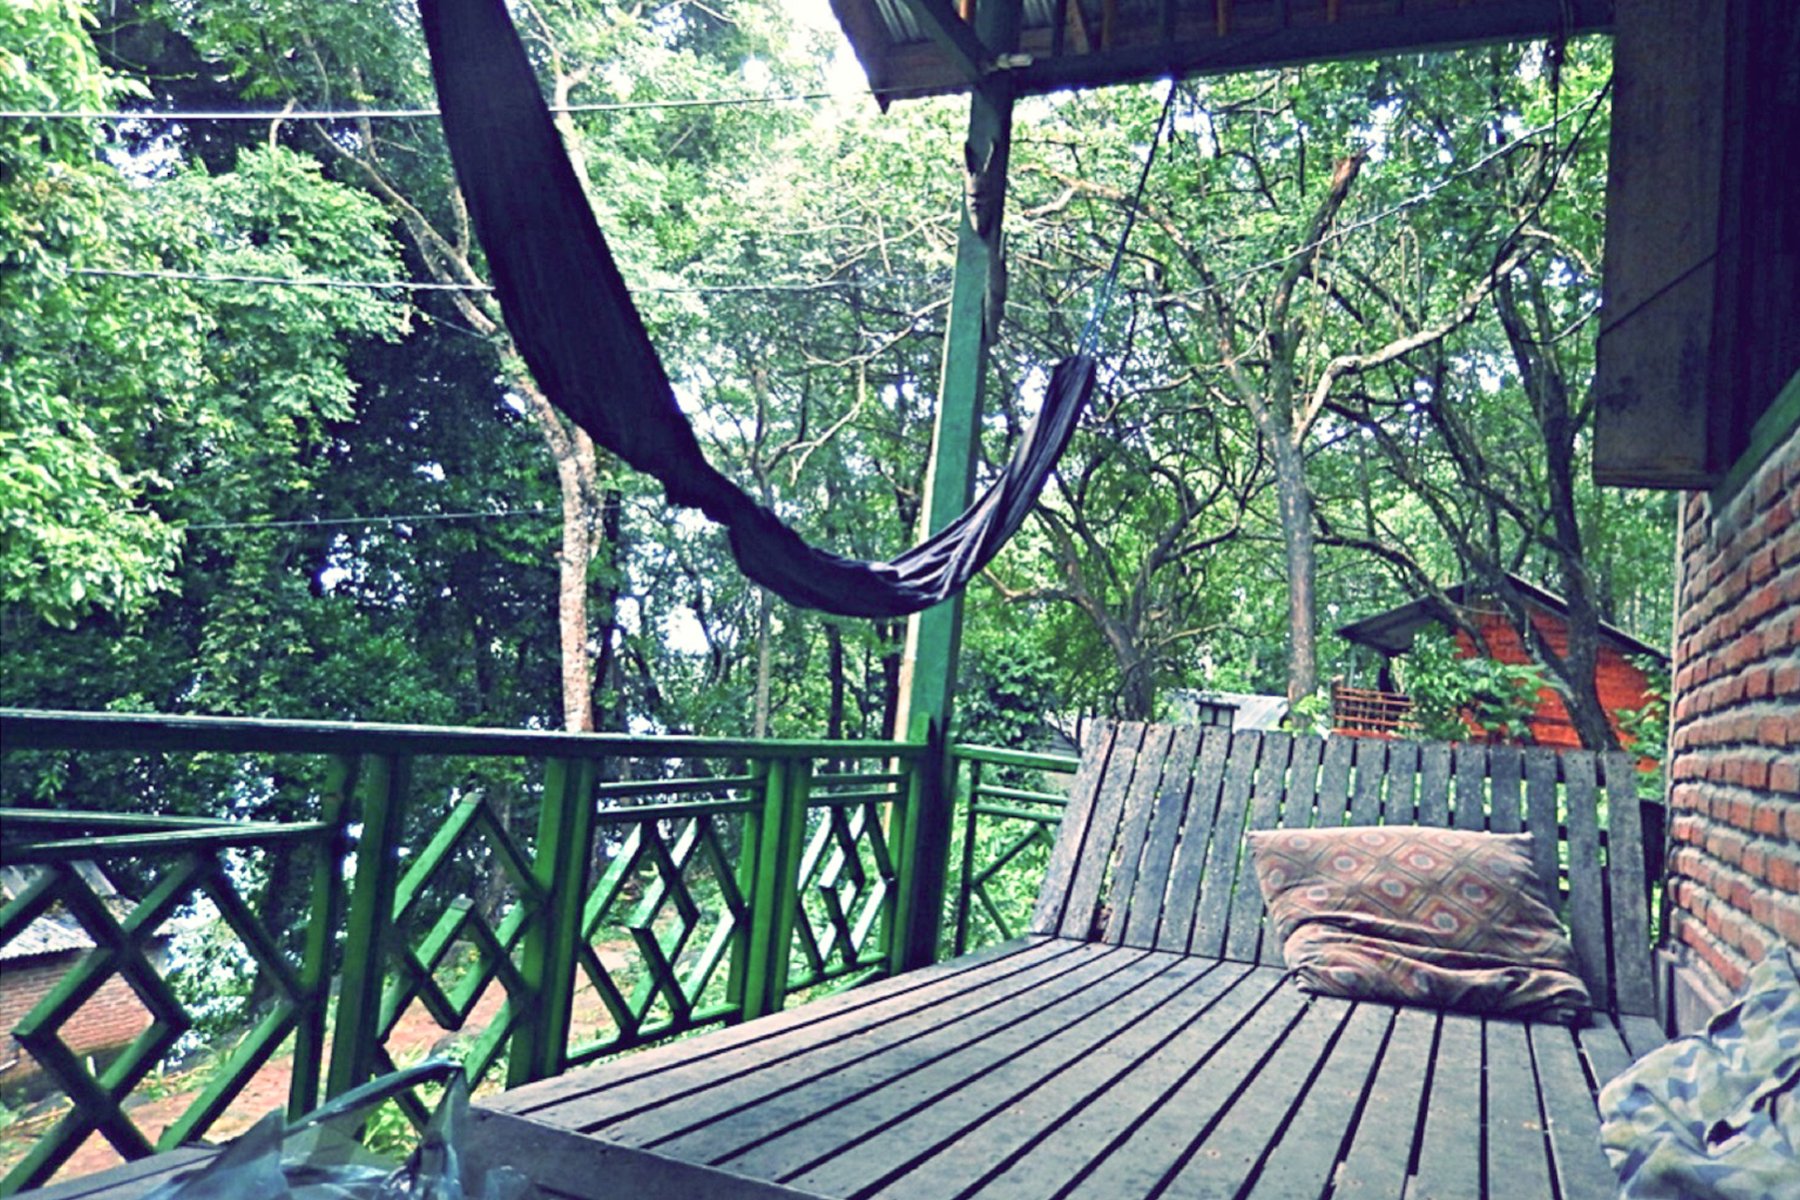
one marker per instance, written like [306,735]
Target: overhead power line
[410,285]
[408,114]
[387,519]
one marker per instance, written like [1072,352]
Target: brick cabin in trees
[36,960]
[1619,672]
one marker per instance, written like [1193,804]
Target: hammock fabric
[574,323]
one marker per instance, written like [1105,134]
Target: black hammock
[573,321]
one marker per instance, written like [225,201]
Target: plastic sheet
[319,1157]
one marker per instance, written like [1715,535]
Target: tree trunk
[765,619]
[1301,553]
[834,646]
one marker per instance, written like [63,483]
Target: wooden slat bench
[1144,1041]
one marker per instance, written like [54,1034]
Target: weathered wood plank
[1449,1146]
[1399,804]
[1633,978]
[1211,917]
[127,1181]
[815,1021]
[1299,806]
[1303,1161]
[1056,1105]
[1181,902]
[703,1085]
[1642,1034]
[1065,853]
[566,1164]
[882,1136]
[1135,1162]
[1064,1107]
[1587,922]
[1581,1167]
[1103,831]
[1167,816]
[1078,1143]
[1243,941]
[1518,1163]
[1471,787]
[1381,1146]
[1134,830]
[1231,1150]
[1542,818]
[803,1131]
[1334,781]
[1371,773]
[1605,1051]
[1434,786]
[1506,767]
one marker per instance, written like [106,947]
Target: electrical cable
[409,285]
[389,519]
[408,114]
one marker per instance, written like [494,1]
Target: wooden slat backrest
[1151,850]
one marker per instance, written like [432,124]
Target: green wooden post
[356,1027]
[747,949]
[548,966]
[770,823]
[321,939]
[934,637]
[902,823]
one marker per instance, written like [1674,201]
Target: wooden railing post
[782,838]
[747,951]
[548,966]
[381,790]
[317,968]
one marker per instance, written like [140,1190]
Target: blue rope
[1103,296]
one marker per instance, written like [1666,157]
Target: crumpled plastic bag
[319,1157]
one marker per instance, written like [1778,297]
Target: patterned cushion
[1443,917]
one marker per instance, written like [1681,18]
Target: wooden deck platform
[1058,1068]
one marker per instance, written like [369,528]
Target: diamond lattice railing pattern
[521,901]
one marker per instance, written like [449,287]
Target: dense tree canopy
[1348,366]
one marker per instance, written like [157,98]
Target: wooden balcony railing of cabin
[1370,712]
[525,901]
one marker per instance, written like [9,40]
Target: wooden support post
[564,846]
[311,1031]
[355,1033]
[934,637]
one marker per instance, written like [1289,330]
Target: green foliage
[1646,728]
[1450,692]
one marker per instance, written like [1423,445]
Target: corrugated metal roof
[55,932]
[46,935]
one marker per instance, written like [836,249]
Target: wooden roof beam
[954,36]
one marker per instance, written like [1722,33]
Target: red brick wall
[112,1016]
[1621,684]
[1734,870]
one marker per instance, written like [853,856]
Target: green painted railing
[538,900]
[1011,803]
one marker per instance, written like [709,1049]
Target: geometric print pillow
[1442,917]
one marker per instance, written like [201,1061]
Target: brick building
[35,961]
[1734,865]
[1619,675]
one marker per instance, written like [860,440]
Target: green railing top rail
[999,756]
[36,729]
